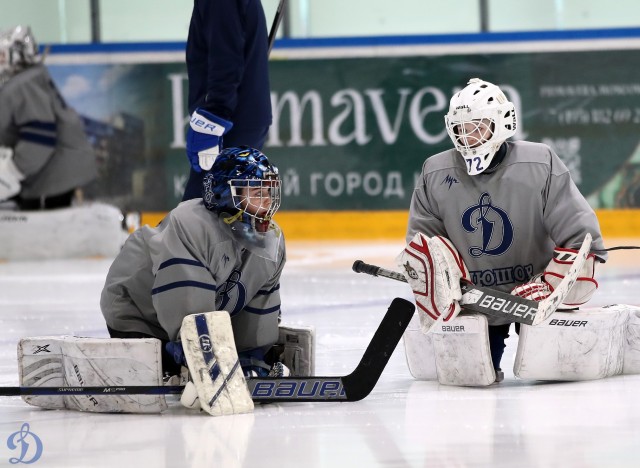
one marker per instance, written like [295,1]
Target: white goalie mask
[18,50]
[479,120]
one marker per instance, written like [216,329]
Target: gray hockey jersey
[506,223]
[47,136]
[193,262]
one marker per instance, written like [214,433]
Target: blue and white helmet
[243,183]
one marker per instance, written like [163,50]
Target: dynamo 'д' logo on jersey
[494,225]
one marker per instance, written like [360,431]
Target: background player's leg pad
[212,358]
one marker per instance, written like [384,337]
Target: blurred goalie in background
[44,152]
[45,160]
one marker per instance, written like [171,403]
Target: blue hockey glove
[174,348]
[204,138]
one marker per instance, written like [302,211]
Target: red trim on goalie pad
[424,249]
[457,257]
[452,309]
[579,278]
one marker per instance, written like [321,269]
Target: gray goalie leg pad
[582,345]
[454,352]
[296,349]
[61,361]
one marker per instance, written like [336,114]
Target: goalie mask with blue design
[243,183]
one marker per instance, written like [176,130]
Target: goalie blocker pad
[583,345]
[61,361]
[91,230]
[455,352]
[296,349]
[212,358]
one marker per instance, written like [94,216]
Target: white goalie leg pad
[91,230]
[61,361]
[296,348]
[40,364]
[418,350]
[632,341]
[433,268]
[586,344]
[212,358]
[462,352]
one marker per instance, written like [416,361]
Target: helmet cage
[257,198]
[479,120]
[244,184]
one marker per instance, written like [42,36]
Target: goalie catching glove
[204,138]
[433,268]
[541,286]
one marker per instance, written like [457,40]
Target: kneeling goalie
[504,215]
[222,252]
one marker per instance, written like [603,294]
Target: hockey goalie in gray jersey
[45,161]
[201,289]
[220,252]
[500,214]
[44,152]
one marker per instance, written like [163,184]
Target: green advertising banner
[352,133]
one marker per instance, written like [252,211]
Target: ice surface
[402,423]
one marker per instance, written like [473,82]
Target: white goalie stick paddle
[352,387]
[496,303]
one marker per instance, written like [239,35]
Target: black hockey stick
[276,25]
[499,304]
[352,387]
